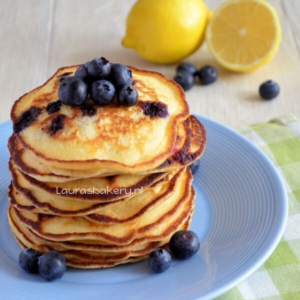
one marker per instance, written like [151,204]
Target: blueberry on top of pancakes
[73,91]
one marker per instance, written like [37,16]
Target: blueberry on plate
[269,90]
[195,166]
[28,260]
[185,80]
[52,265]
[127,96]
[184,244]
[187,67]
[120,75]
[207,75]
[99,68]
[73,91]
[102,92]
[159,260]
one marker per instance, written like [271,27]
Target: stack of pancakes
[103,185]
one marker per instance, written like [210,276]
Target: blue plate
[241,210]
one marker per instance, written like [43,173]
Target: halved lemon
[244,35]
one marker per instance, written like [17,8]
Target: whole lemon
[166,31]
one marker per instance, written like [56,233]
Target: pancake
[25,235]
[117,139]
[79,259]
[192,149]
[114,211]
[176,209]
[92,264]
[190,145]
[96,189]
[139,205]
[30,166]
[85,258]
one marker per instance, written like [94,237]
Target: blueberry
[53,107]
[73,91]
[195,166]
[207,75]
[27,118]
[99,68]
[28,260]
[184,244]
[121,75]
[127,96]
[159,260]
[154,109]
[185,79]
[82,71]
[52,265]
[102,92]
[187,67]
[269,90]
[57,124]
[88,110]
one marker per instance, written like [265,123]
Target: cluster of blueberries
[102,81]
[183,245]
[51,265]
[187,72]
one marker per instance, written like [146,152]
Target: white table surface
[39,36]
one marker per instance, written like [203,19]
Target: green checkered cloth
[279,277]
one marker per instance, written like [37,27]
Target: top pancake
[189,146]
[116,138]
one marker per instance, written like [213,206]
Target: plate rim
[281,221]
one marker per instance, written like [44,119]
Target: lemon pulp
[244,35]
